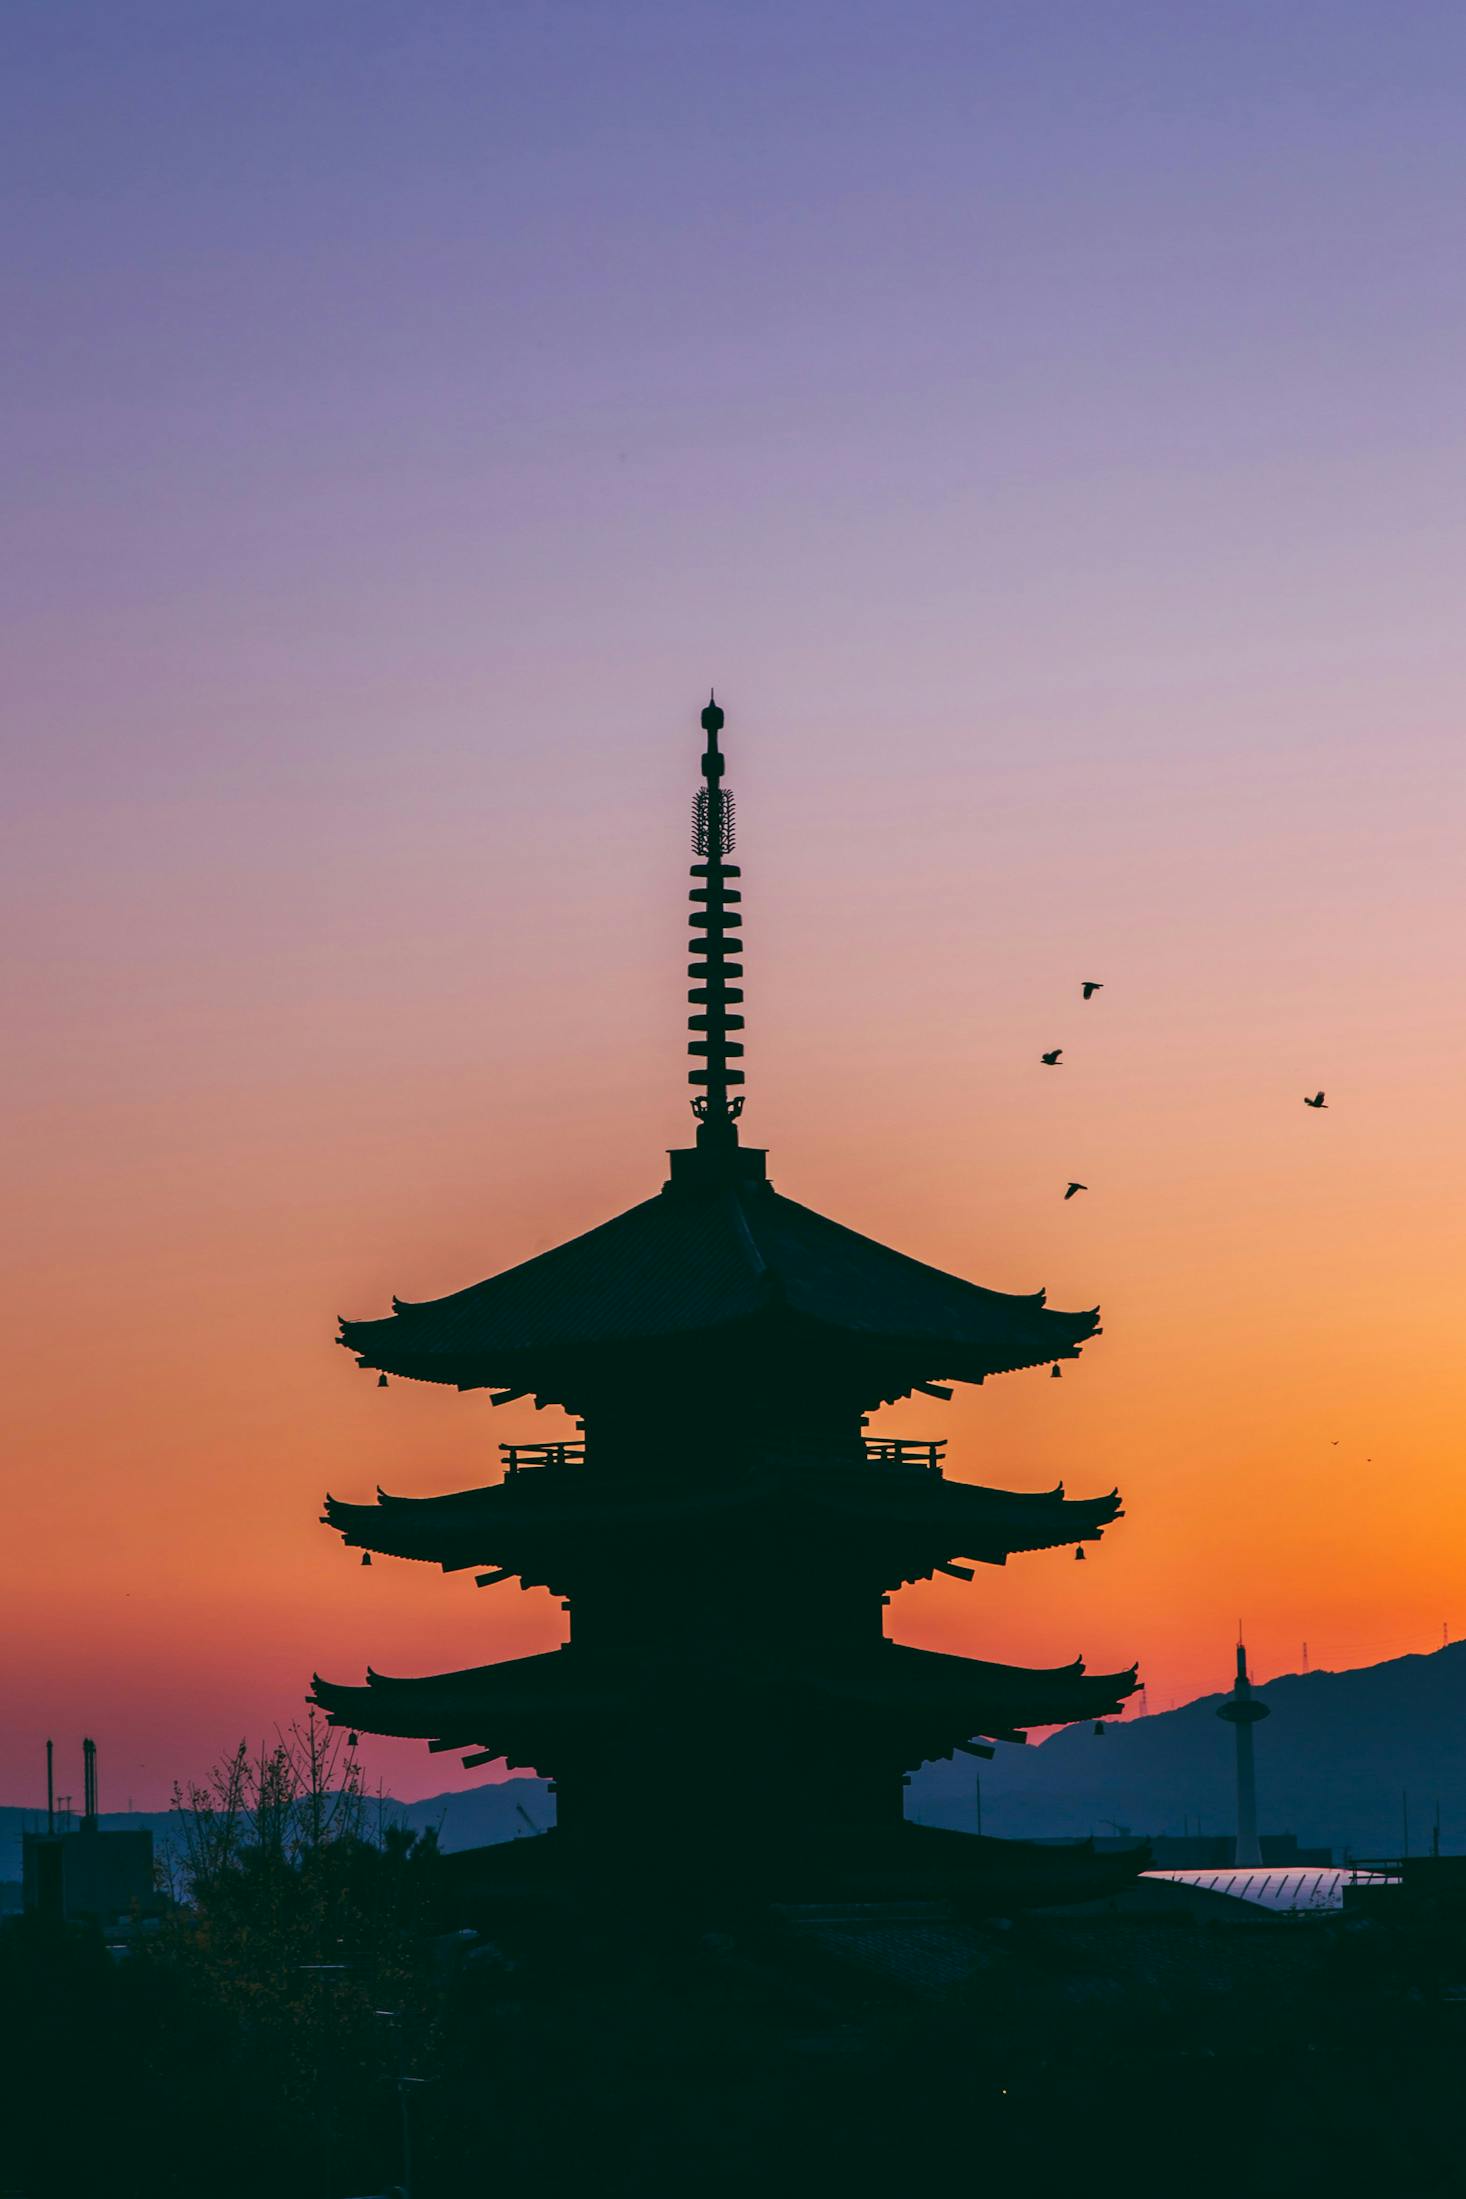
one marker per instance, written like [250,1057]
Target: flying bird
[1093,985]
[1075,1187]
[1316,1101]
[1051,1061]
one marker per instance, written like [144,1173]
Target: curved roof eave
[675,1268]
[526,1368]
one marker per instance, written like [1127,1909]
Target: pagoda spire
[716,921]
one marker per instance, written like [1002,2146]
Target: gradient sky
[1045,424]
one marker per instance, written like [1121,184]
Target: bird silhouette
[1316,1101]
[1079,1555]
[1075,1187]
[1055,1373]
[1051,1061]
[1093,985]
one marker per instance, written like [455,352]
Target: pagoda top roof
[713,1252]
[720,1250]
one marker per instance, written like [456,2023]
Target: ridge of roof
[700,1260]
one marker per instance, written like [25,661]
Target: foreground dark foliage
[254,2043]
[217,2058]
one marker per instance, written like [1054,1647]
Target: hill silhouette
[1334,1762]
[476,1817]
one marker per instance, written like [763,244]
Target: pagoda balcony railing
[521,1457]
[890,1450]
[881,1450]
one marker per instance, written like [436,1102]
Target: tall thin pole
[1249,1848]
[1242,1712]
[89,1786]
[51,1788]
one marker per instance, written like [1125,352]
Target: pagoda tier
[719,1270]
[896,1706]
[896,1519]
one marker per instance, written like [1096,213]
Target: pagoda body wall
[734,1606]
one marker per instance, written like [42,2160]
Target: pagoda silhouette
[729,1528]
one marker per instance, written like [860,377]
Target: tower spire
[1242,1711]
[715,921]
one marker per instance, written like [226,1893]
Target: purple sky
[1045,424]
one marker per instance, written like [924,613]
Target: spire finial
[716,918]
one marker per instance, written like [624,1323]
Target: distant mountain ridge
[476,1817]
[1340,1762]
[1344,1758]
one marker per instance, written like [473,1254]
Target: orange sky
[1045,428]
[239,1123]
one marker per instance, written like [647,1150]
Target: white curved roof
[1291,1887]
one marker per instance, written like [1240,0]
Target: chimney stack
[89,1786]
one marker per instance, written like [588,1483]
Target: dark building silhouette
[1208,1851]
[85,1872]
[726,1534]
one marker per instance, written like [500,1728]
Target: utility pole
[405,2088]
